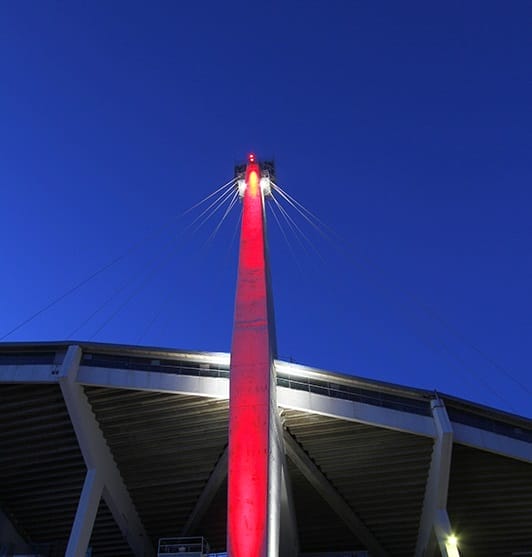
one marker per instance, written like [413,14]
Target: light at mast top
[266,175]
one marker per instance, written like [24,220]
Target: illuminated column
[253,483]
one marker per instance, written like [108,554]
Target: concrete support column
[103,478]
[85,515]
[274,495]
[435,526]
[289,540]
[283,525]
[444,534]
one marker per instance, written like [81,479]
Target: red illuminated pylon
[252,385]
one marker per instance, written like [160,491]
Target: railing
[489,424]
[177,367]
[181,547]
[356,394]
[27,358]
[199,369]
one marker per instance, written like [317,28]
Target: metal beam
[212,486]
[322,485]
[434,518]
[97,456]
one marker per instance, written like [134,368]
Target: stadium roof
[368,461]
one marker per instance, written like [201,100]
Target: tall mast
[254,467]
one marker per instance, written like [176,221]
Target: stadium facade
[370,464]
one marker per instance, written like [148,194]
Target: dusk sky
[404,127]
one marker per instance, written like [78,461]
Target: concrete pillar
[435,526]
[85,514]
[97,456]
[447,542]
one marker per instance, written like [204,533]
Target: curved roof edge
[283,368]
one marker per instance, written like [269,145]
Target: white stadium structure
[124,445]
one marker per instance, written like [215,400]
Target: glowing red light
[250,387]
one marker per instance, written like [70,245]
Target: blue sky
[406,127]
